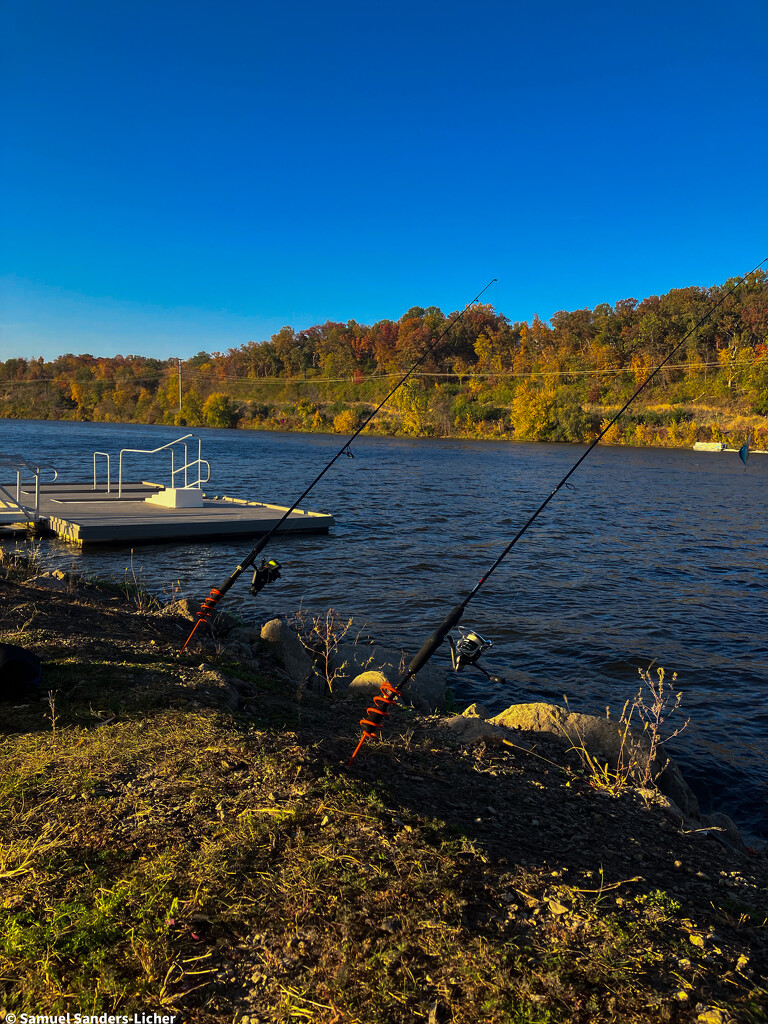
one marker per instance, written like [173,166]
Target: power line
[459,376]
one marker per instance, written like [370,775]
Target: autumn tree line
[560,380]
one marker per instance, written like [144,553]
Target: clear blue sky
[180,174]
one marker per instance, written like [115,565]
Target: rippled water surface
[654,556]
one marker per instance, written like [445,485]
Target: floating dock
[138,513]
[77,513]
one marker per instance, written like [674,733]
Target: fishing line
[389,694]
[269,571]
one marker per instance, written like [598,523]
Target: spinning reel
[466,651]
[267,572]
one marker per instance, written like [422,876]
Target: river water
[654,556]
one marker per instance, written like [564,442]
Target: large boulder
[604,739]
[284,646]
[726,829]
[472,728]
[181,609]
[365,667]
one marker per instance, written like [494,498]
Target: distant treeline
[489,377]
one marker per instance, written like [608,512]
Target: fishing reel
[467,649]
[267,572]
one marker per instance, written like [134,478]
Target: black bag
[19,674]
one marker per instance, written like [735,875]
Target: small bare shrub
[52,716]
[655,702]
[321,636]
[636,761]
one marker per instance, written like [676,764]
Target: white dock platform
[79,514]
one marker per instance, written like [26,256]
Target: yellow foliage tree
[531,408]
[613,436]
[346,422]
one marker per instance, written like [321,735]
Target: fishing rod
[269,571]
[473,643]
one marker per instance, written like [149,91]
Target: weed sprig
[636,761]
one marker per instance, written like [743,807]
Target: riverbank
[644,426]
[181,833]
[479,419]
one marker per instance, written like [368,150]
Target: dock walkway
[77,513]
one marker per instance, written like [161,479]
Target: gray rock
[245,635]
[473,729]
[317,684]
[476,711]
[672,784]
[363,664]
[238,651]
[368,682]
[426,691]
[220,624]
[283,644]
[52,581]
[183,609]
[727,831]
[224,623]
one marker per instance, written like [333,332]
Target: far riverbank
[644,426]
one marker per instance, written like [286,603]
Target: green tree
[219,411]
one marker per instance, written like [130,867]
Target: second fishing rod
[389,694]
[269,571]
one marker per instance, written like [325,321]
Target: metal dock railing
[12,508]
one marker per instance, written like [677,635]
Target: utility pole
[179,385]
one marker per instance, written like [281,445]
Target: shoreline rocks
[601,739]
[285,647]
[351,667]
[607,740]
[363,667]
